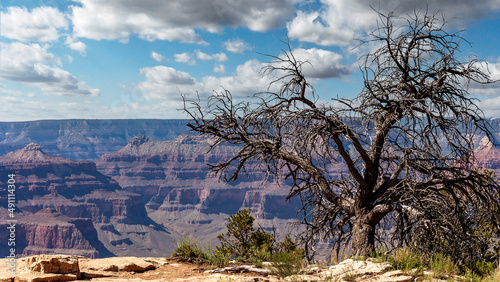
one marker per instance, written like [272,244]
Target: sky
[124,59]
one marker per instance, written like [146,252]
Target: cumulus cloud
[157,57]
[237,46]
[77,46]
[165,83]
[185,58]
[488,90]
[176,19]
[220,68]
[321,64]
[219,57]
[203,56]
[42,24]
[33,64]
[340,21]
[490,107]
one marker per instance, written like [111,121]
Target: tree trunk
[363,236]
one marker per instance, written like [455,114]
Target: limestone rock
[119,264]
[57,264]
[350,266]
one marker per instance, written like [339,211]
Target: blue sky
[133,58]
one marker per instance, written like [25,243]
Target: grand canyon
[101,188]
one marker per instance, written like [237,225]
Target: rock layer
[62,205]
[179,191]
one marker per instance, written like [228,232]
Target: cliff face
[178,190]
[62,205]
[488,155]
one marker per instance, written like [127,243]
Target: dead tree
[405,139]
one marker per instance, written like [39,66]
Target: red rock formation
[178,190]
[488,155]
[49,232]
[63,201]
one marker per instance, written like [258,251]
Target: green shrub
[380,255]
[219,259]
[485,272]
[237,242]
[442,266]
[284,264]
[244,243]
[406,259]
[189,251]
[485,268]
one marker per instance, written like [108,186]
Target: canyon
[67,206]
[134,187]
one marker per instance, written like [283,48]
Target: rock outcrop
[488,155]
[179,191]
[67,206]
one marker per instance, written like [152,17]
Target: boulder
[56,264]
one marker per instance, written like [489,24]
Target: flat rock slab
[57,264]
[120,264]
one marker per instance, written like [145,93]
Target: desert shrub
[406,259]
[485,268]
[218,259]
[485,272]
[380,255]
[243,242]
[288,244]
[189,251]
[284,264]
[442,266]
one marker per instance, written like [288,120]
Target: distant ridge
[85,139]
[88,139]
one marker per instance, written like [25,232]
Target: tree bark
[363,236]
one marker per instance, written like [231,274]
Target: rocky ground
[70,268]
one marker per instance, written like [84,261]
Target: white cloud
[42,24]
[219,57]
[237,46]
[321,64]
[338,22]
[164,83]
[9,92]
[246,81]
[32,64]
[69,58]
[185,58]
[220,68]
[175,19]
[490,107]
[203,56]
[157,57]
[77,46]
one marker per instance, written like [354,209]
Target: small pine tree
[237,241]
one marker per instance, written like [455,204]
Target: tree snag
[405,139]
